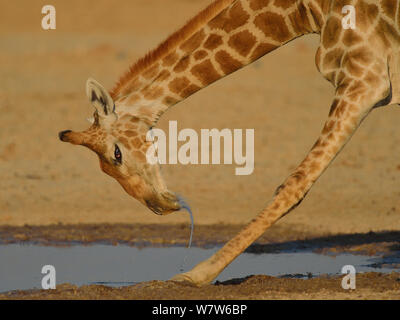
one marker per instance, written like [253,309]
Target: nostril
[61,134]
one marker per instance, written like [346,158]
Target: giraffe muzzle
[163,206]
[77,138]
[63,135]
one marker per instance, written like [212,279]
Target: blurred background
[282,96]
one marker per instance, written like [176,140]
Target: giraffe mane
[178,37]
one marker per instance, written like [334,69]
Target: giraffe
[363,65]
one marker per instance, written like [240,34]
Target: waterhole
[21,264]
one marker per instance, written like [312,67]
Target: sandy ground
[283,97]
[369,286]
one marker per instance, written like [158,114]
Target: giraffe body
[362,64]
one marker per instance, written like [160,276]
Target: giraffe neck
[225,37]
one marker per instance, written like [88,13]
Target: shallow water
[21,264]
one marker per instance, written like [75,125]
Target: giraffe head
[120,142]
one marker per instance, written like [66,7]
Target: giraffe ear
[100,98]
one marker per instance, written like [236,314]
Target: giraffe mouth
[164,204]
[71,137]
[63,135]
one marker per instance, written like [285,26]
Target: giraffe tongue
[185,206]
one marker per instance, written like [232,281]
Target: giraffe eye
[117,155]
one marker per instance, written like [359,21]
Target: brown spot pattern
[387,32]
[352,64]
[333,107]
[366,14]
[124,141]
[205,72]
[318,58]
[136,143]
[139,155]
[371,78]
[194,42]
[340,77]
[389,7]
[189,90]
[169,101]
[243,42]
[153,93]
[163,75]
[362,55]
[178,84]
[273,25]
[134,84]
[200,54]
[330,76]
[328,126]
[331,32]
[299,20]
[343,85]
[351,38]
[398,19]
[229,20]
[227,63]
[182,65]
[316,14]
[332,59]
[259,4]
[133,98]
[170,59]
[130,133]
[262,49]
[339,111]
[324,5]
[284,4]
[213,41]
[151,72]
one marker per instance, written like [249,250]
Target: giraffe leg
[345,116]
